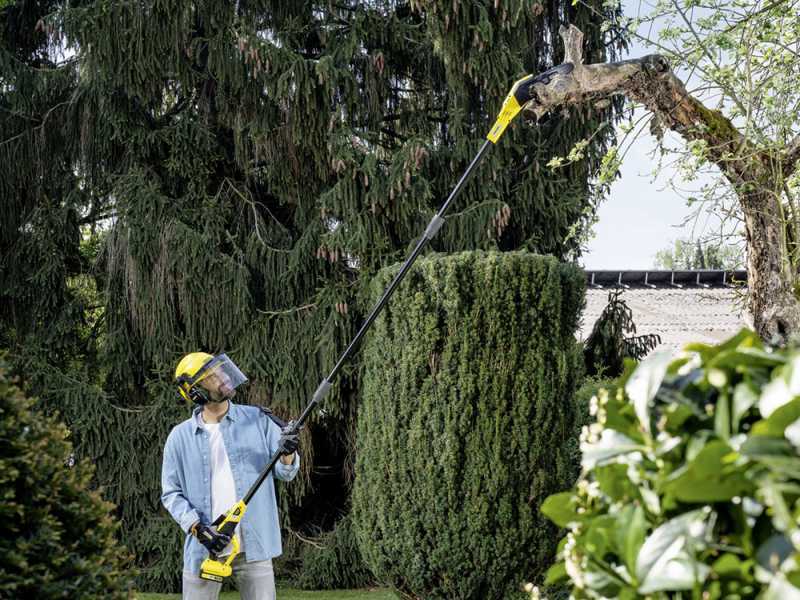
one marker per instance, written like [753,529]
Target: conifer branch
[288,311]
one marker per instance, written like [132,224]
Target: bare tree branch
[649,81]
[750,170]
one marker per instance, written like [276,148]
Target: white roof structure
[680,306]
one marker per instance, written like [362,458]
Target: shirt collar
[198,420]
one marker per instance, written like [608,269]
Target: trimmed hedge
[57,537]
[468,381]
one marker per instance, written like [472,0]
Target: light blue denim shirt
[251,438]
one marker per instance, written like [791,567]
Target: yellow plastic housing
[215,570]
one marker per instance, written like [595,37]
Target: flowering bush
[690,484]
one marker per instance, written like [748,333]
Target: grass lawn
[290,594]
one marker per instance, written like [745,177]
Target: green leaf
[772,493]
[709,478]
[602,580]
[744,398]
[676,415]
[742,341]
[633,529]
[556,574]
[787,466]
[599,535]
[644,382]
[747,359]
[614,483]
[722,417]
[610,445]
[664,562]
[560,509]
[774,395]
[756,446]
[729,566]
[778,420]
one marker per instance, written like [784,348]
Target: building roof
[680,306]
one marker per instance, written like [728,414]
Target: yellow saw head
[521,93]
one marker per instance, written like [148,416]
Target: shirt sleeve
[171,491]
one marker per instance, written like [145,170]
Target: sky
[641,214]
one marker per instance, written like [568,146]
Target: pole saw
[521,93]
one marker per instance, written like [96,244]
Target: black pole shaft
[409,261]
[431,231]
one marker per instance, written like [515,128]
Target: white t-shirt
[223,489]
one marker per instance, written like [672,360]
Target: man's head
[203,378]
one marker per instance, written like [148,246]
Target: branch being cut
[751,171]
[649,81]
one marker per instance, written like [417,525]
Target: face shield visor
[220,377]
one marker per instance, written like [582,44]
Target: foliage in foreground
[691,480]
[466,410]
[57,537]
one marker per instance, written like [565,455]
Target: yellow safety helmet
[198,366]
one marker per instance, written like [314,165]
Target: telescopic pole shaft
[521,92]
[430,232]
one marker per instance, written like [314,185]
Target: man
[210,461]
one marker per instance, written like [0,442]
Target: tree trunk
[772,302]
[771,299]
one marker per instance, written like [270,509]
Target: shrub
[467,402]
[613,339]
[691,484]
[57,537]
[583,396]
[336,563]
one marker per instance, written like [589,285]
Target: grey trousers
[256,581]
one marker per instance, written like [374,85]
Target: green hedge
[691,480]
[468,382]
[57,537]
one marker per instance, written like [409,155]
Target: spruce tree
[227,175]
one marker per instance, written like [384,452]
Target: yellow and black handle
[521,93]
[213,568]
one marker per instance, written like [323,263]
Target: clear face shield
[220,378]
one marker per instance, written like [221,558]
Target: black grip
[228,528]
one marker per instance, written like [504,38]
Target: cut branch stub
[650,81]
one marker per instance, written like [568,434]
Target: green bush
[691,480]
[57,537]
[336,563]
[583,397]
[468,381]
